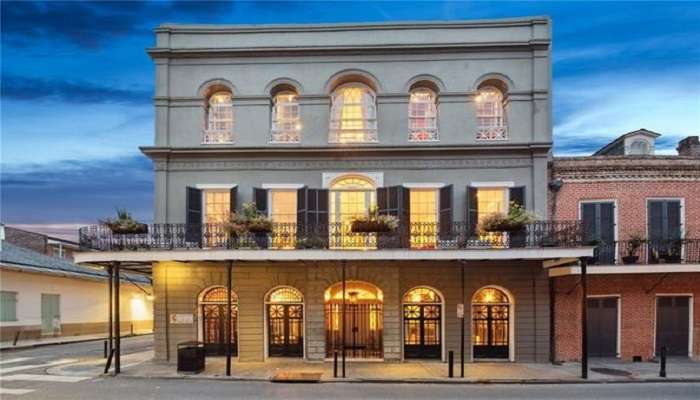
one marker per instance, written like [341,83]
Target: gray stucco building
[324,127]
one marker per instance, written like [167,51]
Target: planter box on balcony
[131,230]
[369,227]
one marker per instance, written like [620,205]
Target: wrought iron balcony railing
[628,252]
[417,236]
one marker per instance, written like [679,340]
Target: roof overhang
[563,255]
[625,269]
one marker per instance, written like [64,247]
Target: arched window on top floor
[219,117]
[422,115]
[353,114]
[640,147]
[286,123]
[491,114]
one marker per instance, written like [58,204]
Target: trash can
[190,357]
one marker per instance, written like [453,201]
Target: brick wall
[631,202]
[638,324]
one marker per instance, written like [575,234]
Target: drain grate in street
[611,371]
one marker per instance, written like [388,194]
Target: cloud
[76,191]
[592,110]
[27,88]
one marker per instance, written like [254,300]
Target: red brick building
[642,211]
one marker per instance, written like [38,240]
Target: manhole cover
[611,371]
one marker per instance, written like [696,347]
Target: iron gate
[421,331]
[363,330]
[214,328]
[285,330]
[491,330]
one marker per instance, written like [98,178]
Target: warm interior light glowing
[139,311]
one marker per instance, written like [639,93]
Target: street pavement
[23,376]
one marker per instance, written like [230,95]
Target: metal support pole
[584,318]
[461,342]
[335,363]
[117,321]
[228,318]
[342,345]
[110,307]
[662,370]
[450,364]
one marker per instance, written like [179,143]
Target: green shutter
[8,306]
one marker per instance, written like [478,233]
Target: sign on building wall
[460,310]
[181,318]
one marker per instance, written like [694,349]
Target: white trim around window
[495,184]
[423,185]
[283,186]
[329,177]
[616,233]
[215,186]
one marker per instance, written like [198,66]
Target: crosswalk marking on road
[44,378]
[15,391]
[15,360]
[32,366]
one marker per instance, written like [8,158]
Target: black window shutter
[673,211]
[301,206]
[260,199]
[445,216]
[396,200]
[472,211]
[607,223]
[232,198]
[193,219]
[316,224]
[656,228]
[589,218]
[517,195]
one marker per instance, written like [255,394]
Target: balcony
[648,252]
[333,236]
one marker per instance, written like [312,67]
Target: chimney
[689,147]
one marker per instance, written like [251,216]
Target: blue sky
[76,86]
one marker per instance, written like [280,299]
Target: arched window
[286,124]
[639,147]
[422,295]
[490,114]
[353,114]
[422,116]
[350,197]
[285,294]
[219,118]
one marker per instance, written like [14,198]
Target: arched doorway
[364,320]
[213,303]
[422,323]
[491,323]
[285,322]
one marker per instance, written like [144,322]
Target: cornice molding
[625,168]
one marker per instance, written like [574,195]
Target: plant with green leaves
[374,222]
[515,220]
[125,223]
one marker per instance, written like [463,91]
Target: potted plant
[310,243]
[374,223]
[515,220]
[125,224]
[633,244]
[249,221]
[673,251]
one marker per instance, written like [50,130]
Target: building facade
[310,130]
[46,295]
[642,212]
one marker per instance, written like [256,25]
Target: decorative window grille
[218,295]
[422,116]
[286,124]
[353,115]
[490,115]
[219,129]
[285,295]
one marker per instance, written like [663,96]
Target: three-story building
[279,152]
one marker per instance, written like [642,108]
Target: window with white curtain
[353,115]
[286,124]
[219,129]
[490,115]
[422,116]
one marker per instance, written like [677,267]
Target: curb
[35,345]
[422,381]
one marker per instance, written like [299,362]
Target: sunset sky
[77,86]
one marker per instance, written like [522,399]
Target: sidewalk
[141,365]
[46,341]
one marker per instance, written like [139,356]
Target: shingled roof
[26,260]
